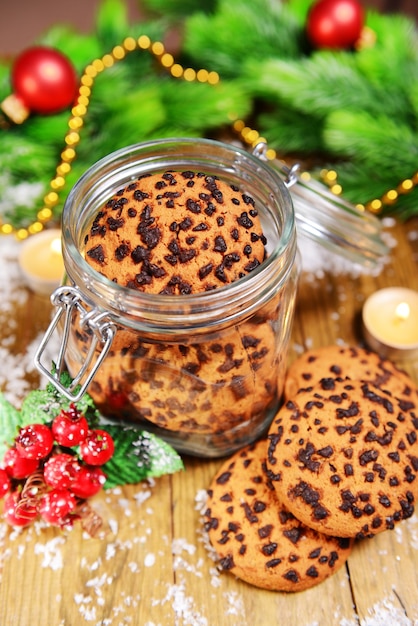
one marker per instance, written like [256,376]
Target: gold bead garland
[252,138]
[389,198]
[78,112]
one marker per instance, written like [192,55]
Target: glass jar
[204,371]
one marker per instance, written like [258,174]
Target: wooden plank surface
[151,565]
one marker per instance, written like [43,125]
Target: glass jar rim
[242,295]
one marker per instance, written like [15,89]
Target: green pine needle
[320,84]
[240,30]
[396,41]
[200,106]
[300,9]
[143,112]
[4,80]
[405,207]
[25,158]
[79,48]
[178,9]
[290,131]
[362,184]
[47,129]
[112,22]
[380,143]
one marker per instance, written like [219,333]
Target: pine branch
[81,49]
[320,84]
[383,144]
[48,129]
[361,106]
[396,43]
[361,185]
[289,131]
[299,9]
[178,9]
[126,118]
[24,158]
[406,207]
[392,62]
[112,22]
[19,199]
[4,80]
[200,106]
[240,30]
[157,107]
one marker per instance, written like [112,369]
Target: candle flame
[56,245]
[402,311]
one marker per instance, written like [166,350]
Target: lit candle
[390,322]
[41,261]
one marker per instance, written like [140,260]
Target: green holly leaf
[39,407]
[138,455]
[42,405]
[10,420]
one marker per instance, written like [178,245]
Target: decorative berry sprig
[57,455]
[49,469]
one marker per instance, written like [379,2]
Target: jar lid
[337,224]
[330,220]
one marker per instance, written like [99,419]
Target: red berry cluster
[50,470]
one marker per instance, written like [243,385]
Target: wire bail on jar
[102,330]
[290,172]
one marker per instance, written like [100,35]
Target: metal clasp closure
[291,174]
[98,324]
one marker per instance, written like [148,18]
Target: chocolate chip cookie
[176,233]
[348,362]
[343,457]
[208,388]
[257,538]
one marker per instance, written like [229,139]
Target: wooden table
[151,566]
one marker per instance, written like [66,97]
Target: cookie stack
[339,463]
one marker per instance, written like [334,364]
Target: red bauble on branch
[335,24]
[43,81]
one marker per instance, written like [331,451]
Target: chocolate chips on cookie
[176,233]
[348,362]
[345,458]
[340,459]
[256,536]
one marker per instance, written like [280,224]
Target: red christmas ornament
[335,24]
[43,81]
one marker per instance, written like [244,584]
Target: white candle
[41,261]
[390,322]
